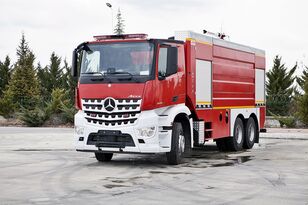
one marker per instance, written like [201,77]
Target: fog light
[147,131]
[79,130]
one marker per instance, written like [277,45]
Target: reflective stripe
[204,102]
[229,107]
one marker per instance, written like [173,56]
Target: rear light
[124,36]
[77,99]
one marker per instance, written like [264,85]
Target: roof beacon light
[122,36]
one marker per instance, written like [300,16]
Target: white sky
[277,26]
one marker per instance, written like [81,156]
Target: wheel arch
[180,113]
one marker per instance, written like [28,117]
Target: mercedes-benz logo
[109,104]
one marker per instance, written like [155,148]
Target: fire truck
[141,95]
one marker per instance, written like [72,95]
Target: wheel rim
[181,143]
[251,132]
[239,134]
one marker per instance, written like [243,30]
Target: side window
[162,62]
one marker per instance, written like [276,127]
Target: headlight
[147,131]
[79,130]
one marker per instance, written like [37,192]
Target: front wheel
[175,156]
[103,157]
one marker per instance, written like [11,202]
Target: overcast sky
[277,26]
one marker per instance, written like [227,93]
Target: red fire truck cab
[139,95]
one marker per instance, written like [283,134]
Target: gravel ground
[40,166]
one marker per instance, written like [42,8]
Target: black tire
[175,156]
[103,157]
[250,133]
[235,143]
[222,144]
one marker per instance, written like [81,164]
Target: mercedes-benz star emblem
[109,104]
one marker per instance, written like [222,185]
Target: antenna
[220,35]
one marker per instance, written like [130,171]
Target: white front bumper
[160,142]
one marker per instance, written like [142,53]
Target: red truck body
[217,84]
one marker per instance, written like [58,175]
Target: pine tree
[23,87]
[51,76]
[69,81]
[43,78]
[303,78]
[55,73]
[303,104]
[279,87]
[5,74]
[119,29]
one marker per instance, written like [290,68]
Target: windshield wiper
[91,73]
[102,76]
[121,73]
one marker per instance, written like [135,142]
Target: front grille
[110,138]
[124,111]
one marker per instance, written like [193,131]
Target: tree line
[34,93]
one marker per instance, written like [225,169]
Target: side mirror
[74,64]
[172,62]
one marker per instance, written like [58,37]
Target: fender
[167,117]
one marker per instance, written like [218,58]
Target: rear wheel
[251,133]
[103,157]
[235,143]
[175,156]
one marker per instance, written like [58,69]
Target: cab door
[170,83]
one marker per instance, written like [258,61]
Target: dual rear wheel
[243,136]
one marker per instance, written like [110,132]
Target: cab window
[162,62]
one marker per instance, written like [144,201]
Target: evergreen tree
[5,74]
[279,88]
[303,78]
[23,88]
[119,29]
[42,75]
[51,76]
[69,82]
[54,73]
[303,104]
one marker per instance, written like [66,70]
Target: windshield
[118,58]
